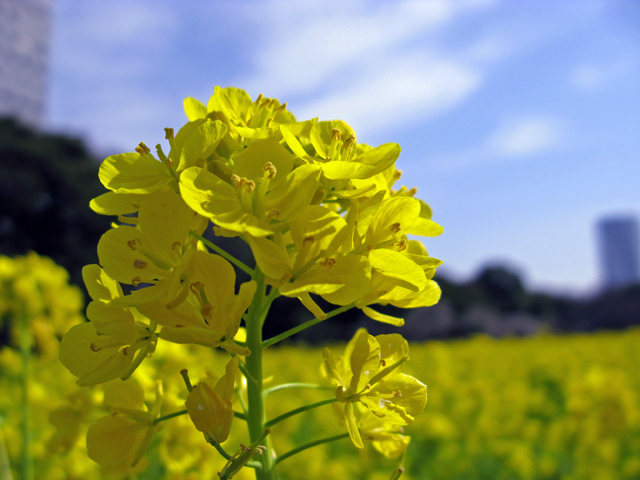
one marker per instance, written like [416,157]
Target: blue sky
[517,119]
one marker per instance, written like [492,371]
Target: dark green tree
[46,183]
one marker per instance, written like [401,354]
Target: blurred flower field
[547,407]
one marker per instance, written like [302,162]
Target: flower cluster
[320,215]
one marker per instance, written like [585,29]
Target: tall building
[620,251]
[24,57]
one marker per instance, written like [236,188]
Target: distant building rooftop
[24,57]
[619,251]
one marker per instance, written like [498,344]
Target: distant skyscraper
[620,251]
[24,56]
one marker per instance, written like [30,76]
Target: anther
[142,149]
[397,174]
[196,287]
[308,241]
[412,191]
[286,277]
[348,143]
[273,213]
[134,244]
[402,245]
[168,133]
[328,263]
[176,245]
[249,185]
[207,309]
[280,108]
[270,169]
[259,99]
[95,348]
[266,103]
[335,134]
[395,227]
[135,281]
[140,264]
[125,351]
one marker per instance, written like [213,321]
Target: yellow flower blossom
[210,409]
[124,436]
[367,374]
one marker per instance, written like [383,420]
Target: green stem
[286,386]
[304,326]
[247,374]
[256,315]
[26,467]
[224,254]
[291,413]
[5,468]
[306,446]
[170,415]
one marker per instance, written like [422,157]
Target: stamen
[259,99]
[412,191]
[249,185]
[286,277]
[270,169]
[349,142]
[140,264]
[335,134]
[308,241]
[176,245]
[142,149]
[135,281]
[395,227]
[265,103]
[272,214]
[328,263]
[134,244]
[397,174]
[280,108]
[95,348]
[168,133]
[236,179]
[402,245]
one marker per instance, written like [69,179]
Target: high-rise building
[620,251]
[24,57]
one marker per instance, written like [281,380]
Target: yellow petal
[381,317]
[127,394]
[209,412]
[352,425]
[99,285]
[398,269]
[364,361]
[111,439]
[134,173]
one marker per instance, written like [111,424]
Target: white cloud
[590,76]
[525,136]
[396,92]
[515,140]
[368,65]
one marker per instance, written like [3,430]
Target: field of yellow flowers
[548,407]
